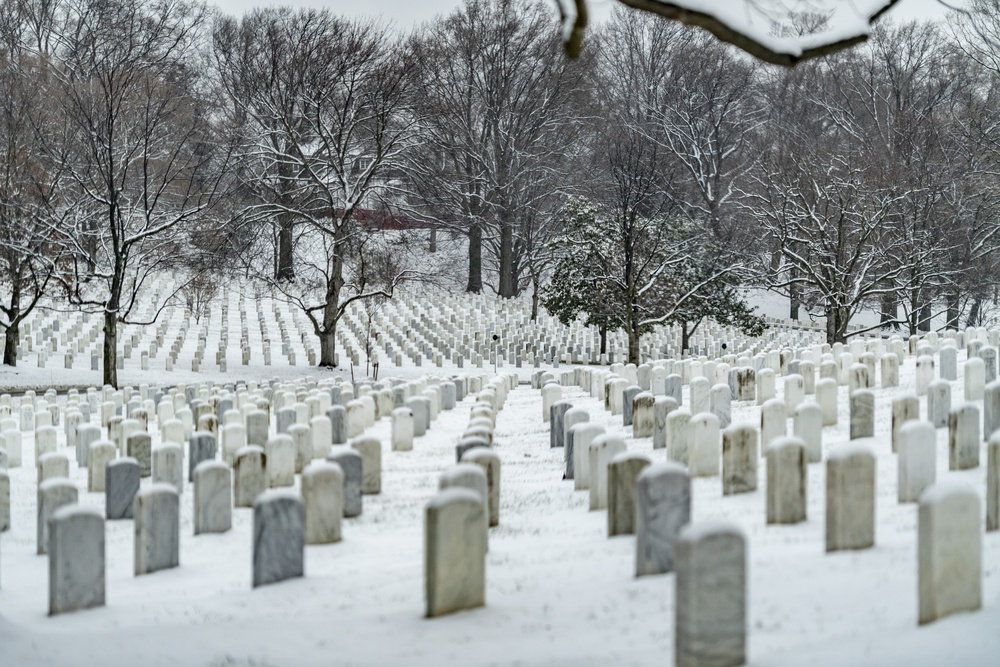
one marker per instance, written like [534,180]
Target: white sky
[406,13]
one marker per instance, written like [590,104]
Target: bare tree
[337,125]
[498,110]
[30,239]
[137,148]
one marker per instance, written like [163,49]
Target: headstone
[904,408]
[991,409]
[643,415]
[662,406]
[975,379]
[662,509]
[602,450]
[249,475]
[338,424]
[583,435]
[4,500]
[711,597]
[280,450]
[963,437]
[739,459]
[402,430]
[992,483]
[551,393]
[678,430]
[139,446]
[720,404]
[826,397]
[278,537]
[121,483]
[168,465]
[938,402]
[370,450]
[323,498]
[925,374]
[948,363]
[786,481]
[949,551]
[703,449]
[850,497]
[349,461]
[52,494]
[773,422]
[490,463]
[473,477]
[454,558]
[201,447]
[157,528]
[52,465]
[213,497]
[557,412]
[76,559]
[623,470]
[917,461]
[890,370]
[862,404]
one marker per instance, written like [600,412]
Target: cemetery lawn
[559,592]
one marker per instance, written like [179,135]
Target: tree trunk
[953,313]
[973,318]
[887,311]
[534,298]
[794,302]
[111,347]
[475,284]
[508,285]
[328,348]
[432,242]
[633,346]
[604,340]
[924,322]
[331,312]
[837,319]
[685,338]
[286,269]
[11,342]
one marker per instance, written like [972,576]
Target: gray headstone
[663,507]
[279,519]
[350,464]
[76,559]
[157,528]
[213,497]
[121,483]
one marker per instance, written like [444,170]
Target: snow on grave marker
[454,560]
[323,499]
[76,559]
[711,597]
[949,552]
[213,492]
[278,537]
[623,470]
[917,461]
[850,497]
[662,509]
[739,459]
[786,481]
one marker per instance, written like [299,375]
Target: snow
[756,19]
[559,591]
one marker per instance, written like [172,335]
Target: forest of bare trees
[646,181]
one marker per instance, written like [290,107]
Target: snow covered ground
[559,591]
